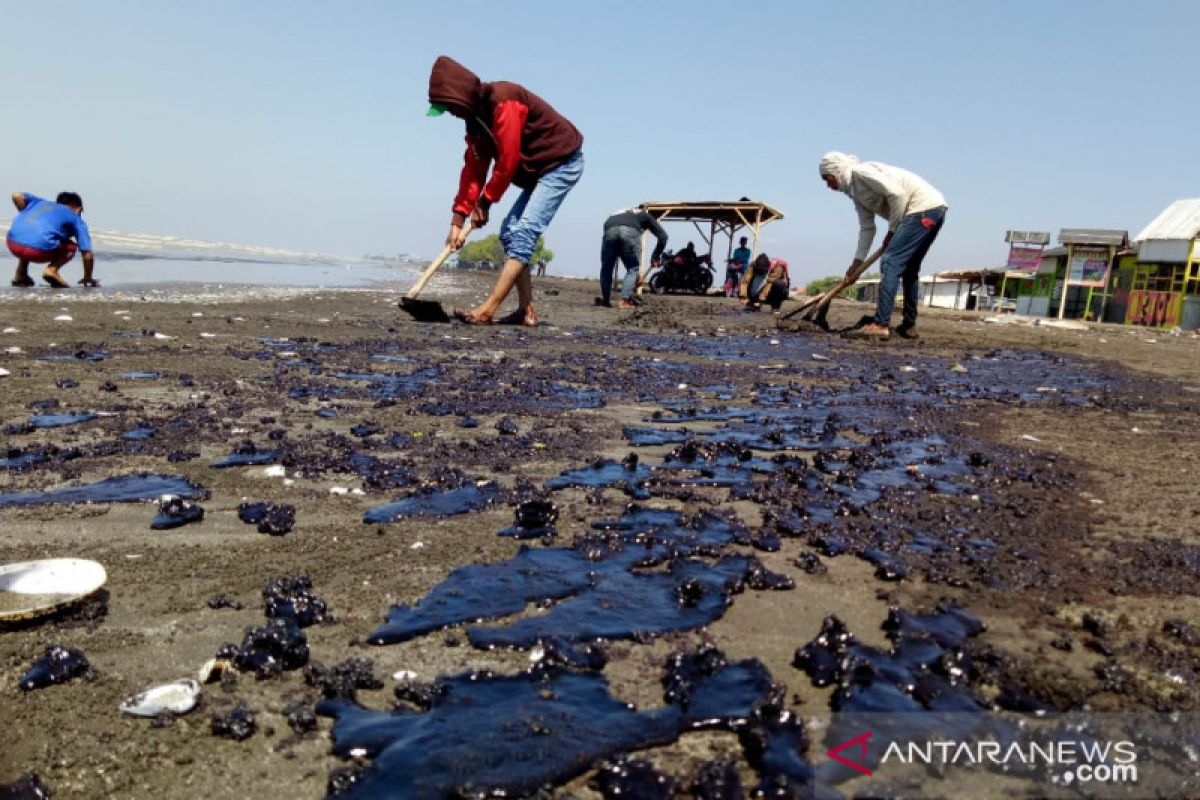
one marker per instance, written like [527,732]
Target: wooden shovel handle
[837,288]
[435,266]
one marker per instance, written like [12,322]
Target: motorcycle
[678,273]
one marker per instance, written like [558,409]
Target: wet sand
[1074,456]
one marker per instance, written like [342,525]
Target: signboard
[1024,259]
[1154,309]
[1088,266]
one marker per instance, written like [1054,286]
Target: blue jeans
[902,262]
[529,217]
[626,244]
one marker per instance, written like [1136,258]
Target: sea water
[130,261]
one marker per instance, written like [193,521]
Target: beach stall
[723,217]
[1158,284]
[1072,280]
[1025,251]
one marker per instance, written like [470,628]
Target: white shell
[178,697]
[30,588]
[211,670]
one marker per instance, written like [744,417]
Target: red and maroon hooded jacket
[506,123]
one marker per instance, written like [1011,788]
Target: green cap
[435,110]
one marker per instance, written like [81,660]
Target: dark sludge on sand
[839,471]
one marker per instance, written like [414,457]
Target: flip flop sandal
[90,283]
[515,318]
[22,281]
[468,318]
[57,283]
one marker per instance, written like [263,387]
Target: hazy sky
[301,124]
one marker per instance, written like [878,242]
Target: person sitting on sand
[766,281]
[42,232]
[533,146]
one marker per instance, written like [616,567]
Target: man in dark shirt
[623,239]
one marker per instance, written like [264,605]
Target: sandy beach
[1040,478]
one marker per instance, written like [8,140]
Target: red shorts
[64,253]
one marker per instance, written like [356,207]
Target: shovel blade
[424,310]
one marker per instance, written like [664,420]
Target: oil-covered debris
[534,520]
[632,778]
[27,787]
[343,680]
[225,601]
[238,723]
[270,518]
[269,650]
[58,665]
[175,512]
[293,598]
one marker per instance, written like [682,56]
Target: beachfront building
[1157,283]
[1072,281]
[955,289]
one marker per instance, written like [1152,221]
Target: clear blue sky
[301,124]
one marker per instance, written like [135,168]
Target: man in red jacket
[532,146]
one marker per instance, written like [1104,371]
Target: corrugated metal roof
[1108,236]
[1180,220]
[1027,237]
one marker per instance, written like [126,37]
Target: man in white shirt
[915,212]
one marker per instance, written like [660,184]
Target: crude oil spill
[632,778]
[628,605]
[78,355]
[123,489]
[175,512]
[642,537]
[141,376]
[59,665]
[649,437]
[247,454]
[627,475]
[60,420]
[535,520]
[484,591]
[342,681]
[140,432]
[488,735]
[434,502]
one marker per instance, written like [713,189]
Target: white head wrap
[840,166]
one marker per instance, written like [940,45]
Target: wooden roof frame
[723,216]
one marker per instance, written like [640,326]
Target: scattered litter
[1044,389]
[774,341]
[64,318]
[12,350]
[158,335]
[197,313]
[30,589]
[211,670]
[120,313]
[957,368]
[11,330]
[681,386]
[819,357]
[338,490]
[416,545]
[208,336]
[1029,438]
[404,675]
[177,697]
[4,373]
[275,471]
[59,665]
[907,368]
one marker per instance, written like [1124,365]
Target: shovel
[429,310]
[818,306]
